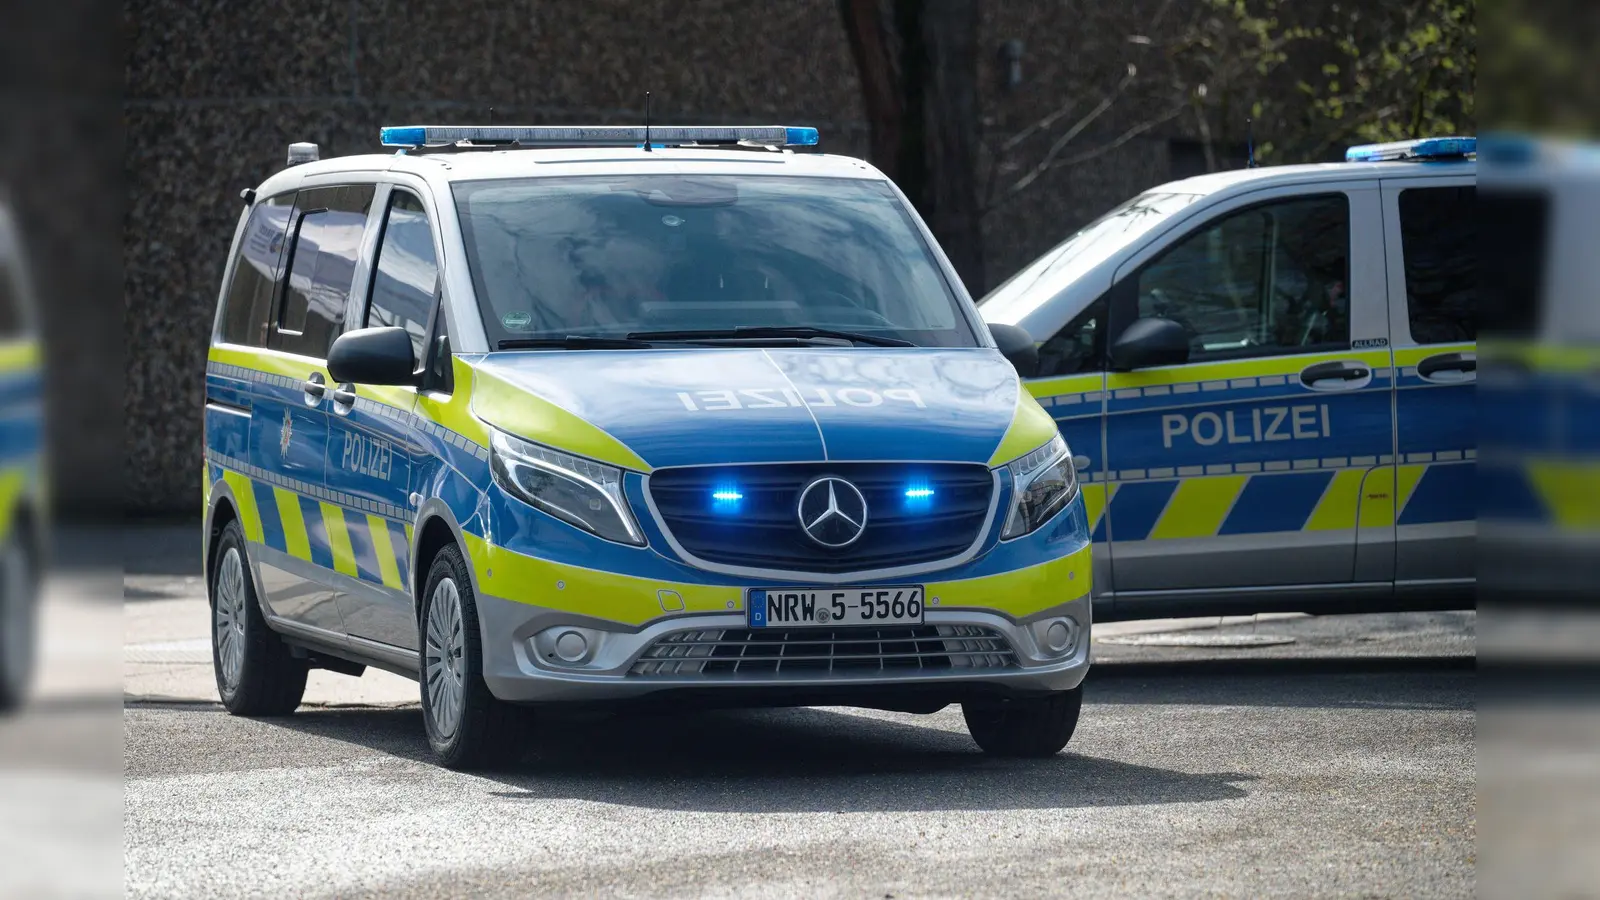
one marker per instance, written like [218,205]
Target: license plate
[801,607]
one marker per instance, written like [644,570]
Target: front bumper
[520,668]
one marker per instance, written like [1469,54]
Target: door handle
[314,387]
[1334,371]
[344,398]
[1448,362]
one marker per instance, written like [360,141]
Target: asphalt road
[1189,776]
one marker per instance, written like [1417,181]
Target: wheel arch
[436,529]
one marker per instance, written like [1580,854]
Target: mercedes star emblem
[832,512]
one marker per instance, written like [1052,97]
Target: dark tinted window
[407,273]
[255,273]
[1079,346]
[12,318]
[1439,237]
[321,266]
[1513,235]
[615,254]
[1267,280]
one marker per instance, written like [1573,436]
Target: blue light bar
[597,135]
[729,496]
[920,493]
[1422,149]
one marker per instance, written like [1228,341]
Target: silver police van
[1271,373]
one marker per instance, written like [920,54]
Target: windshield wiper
[769,331]
[573,342]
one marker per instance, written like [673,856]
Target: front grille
[900,649]
[763,530]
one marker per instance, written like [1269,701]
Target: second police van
[1271,372]
[563,416]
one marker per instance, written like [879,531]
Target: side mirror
[1017,346]
[1150,342]
[373,356]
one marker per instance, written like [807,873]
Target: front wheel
[467,726]
[1031,728]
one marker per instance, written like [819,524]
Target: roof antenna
[647,121]
[491,115]
[1250,138]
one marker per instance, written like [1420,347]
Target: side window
[13,319]
[408,273]
[1439,238]
[1268,280]
[248,307]
[321,263]
[1079,346]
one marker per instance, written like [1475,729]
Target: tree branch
[1176,110]
[1033,174]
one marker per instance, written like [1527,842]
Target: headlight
[1043,482]
[579,491]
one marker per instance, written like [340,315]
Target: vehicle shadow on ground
[1415,683]
[790,760]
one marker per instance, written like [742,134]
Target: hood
[748,405]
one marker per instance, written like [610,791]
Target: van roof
[474,165]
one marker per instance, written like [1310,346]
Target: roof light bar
[1422,149]
[597,135]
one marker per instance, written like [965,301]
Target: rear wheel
[467,726]
[256,674]
[1034,727]
[19,610]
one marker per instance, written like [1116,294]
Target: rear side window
[321,265]
[1513,244]
[1439,237]
[408,272]
[12,319]
[248,307]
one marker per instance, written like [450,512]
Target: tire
[1032,728]
[256,674]
[19,622]
[468,728]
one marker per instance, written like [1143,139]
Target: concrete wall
[215,95]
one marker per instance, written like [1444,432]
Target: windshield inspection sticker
[516,320]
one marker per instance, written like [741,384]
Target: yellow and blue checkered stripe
[1199,496]
[311,523]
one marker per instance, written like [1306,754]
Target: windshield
[1085,249]
[613,255]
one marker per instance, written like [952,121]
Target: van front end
[747,578]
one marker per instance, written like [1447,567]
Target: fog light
[571,646]
[1057,637]
[568,645]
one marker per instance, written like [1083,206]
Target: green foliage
[1358,74]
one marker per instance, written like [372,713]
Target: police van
[1270,372]
[577,416]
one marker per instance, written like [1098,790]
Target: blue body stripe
[1446,493]
[271,521]
[316,533]
[1276,503]
[1504,494]
[1136,507]
[402,552]
[361,545]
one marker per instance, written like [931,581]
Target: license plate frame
[825,602]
